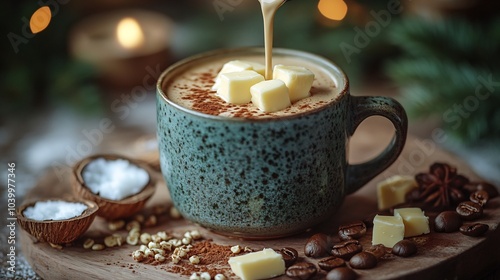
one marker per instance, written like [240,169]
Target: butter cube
[238,66]
[270,96]
[393,190]
[258,265]
[235,86]
[416,223]
[387,230]
[257,67]
[298,79]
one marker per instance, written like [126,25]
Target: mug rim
[326,63]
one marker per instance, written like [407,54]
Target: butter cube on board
[270,96]
[393,190]
[238,66]
[387,230]
[235,86]
[298,80]
[416,223]
[258,265]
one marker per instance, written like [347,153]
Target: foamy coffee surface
[190,87]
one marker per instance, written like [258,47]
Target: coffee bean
[346,249]
[302,270]
[378,250]
[404,248]
[363,260]
[289,255]
[353,230]
[447,221]
[480,197]
[317,246]
[489,188]
[474,230]
[331,263]
[341,273]
[469,210]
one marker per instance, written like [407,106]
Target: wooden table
[440,255]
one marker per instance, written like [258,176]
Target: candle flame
[129,33]
[40,19]
[333,9]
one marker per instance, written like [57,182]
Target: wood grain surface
[440,255]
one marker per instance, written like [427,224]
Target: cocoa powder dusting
[213,259]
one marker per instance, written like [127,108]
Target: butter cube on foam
[258,265]
[238,66]
[270,96]
[298,79]
[387,230]
[235,86]
[416,223]
[392,191]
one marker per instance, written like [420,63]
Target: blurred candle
[122,44]
[129,33]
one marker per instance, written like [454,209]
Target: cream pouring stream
[269,8]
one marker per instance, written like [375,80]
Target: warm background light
[129,33]
[40,19]
[333,9]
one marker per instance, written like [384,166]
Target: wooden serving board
[440,255]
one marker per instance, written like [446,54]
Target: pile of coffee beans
[338,256]
[472,210]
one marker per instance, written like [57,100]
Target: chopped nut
[220,277]
[110,241]
[152,245]
[194,276]
[175,242]
[133,225]
[187,234]
[56,246]
[150,221]
[248,249]
[166,246]
[145,238]
[139,255]
[236,249]
[182,251]
[163,235]
[119,241]
[205,276]
[156,238]
[195,234]
[116,225]
[88,243]
[160,258]
[187,248]
[175,259]
[143,248]
[158,251]
[194,259]
[149,253]
[132,240]
[186,240]
[174,213]
[98,247]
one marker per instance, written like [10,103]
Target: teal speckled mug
[257,175]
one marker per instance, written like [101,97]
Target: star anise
[442,187]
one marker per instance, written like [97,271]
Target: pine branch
[441,69]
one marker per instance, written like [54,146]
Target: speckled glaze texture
[266,178]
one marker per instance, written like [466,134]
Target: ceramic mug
[292,175]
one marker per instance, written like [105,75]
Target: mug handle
[362,107]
